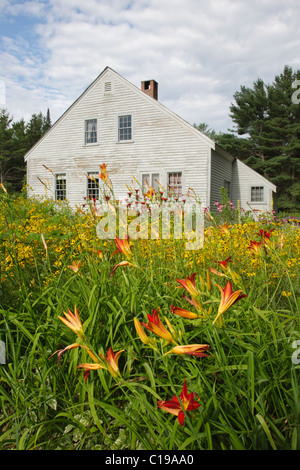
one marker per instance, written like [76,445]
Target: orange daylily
[73,322]
[75,266]
[255,246]
[110,364]
[112,361]
[155,325]
[122,263]
[228,298]
[191,349]
[60,352]
[183,313]
[265,235]
[189,285]
[174,406]
[123,247]
[224,228]
[103,175]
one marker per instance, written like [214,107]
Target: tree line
[266,133]
[16,138]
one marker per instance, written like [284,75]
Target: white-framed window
[227,187]
[125,128]
[257,194]
[60,187]
[175,182]
[153,180]
[92,187]
[90,131]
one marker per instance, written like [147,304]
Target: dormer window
[90,134]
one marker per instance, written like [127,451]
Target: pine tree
[270,122]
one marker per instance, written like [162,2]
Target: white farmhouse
[127,128]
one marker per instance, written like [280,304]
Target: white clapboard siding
[162,142]
[221,171]
[243,178]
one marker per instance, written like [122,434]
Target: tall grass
[248,384]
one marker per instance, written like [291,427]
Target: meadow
[142,344]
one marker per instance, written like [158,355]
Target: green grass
[248,384]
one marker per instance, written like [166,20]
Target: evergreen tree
[16,138]
[270,122]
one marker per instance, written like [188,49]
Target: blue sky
[199,51]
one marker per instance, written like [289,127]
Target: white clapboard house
[116,123]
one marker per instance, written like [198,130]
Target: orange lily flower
[73,322]
[225,228]
[191,349]
[75,266]
[123,247]
[265,236]
[255,246]
[189,285]
[122,263]
[88,367]
[60,352]
[228,298]
[174,406]
[183,313]
[111,364]
[155,325]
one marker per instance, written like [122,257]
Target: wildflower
[140,331]
[183,313]
[75,266]
[255,246]
[228,298]
[73,322]
[123,247]
[191,349]
[122,263]
[60,352]
[189,285]
[179,407]
[225,228]
[88,367]
[265,236]
[155,325]
[110,363]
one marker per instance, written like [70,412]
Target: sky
[199,51]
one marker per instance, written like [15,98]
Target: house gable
[161,141]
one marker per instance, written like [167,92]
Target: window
[60,187]
[227,187]
[257,194]
[175,182]
[90,131]
[93,185]
[152,179]
[125,128]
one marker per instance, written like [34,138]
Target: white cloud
[200,51]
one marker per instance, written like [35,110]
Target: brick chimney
[150,87]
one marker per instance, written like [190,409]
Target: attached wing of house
[116,123]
